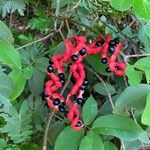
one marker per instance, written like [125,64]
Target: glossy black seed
[116,40]
[104,60]
[44,94]
[65,113]
[79,101]
[61,75]
[85,82]
[108,70]
[82,51]
[50,69]
[111,49]
[112,43]
[62,81]
[83,87]
[56,101]
[61,109]
[79,124]
[74,57]
[69,65]
[99,43]
[51,62]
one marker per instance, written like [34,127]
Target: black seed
[69,65]
[61,109]
[104,60]
[79,124]
[85,82]
[79,101]
[62,81]
[50,69]
[56,101]
[82,87]
[44,94]
[82,51]
[112,43]
[117,68]
[99,43]
[108,70]
[61,75]
[117,40]
[111,49]
[51,62]
[74,57]
[65,113]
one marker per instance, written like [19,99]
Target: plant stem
[51,116]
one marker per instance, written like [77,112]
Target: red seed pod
[76,50]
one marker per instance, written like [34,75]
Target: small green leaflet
[91,141]
[119,126]
[145,119]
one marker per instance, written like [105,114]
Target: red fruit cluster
[76,50]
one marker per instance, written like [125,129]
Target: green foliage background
[117,109]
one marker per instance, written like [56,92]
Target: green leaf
[119,126]
[147,29]
[134,77]
[91,141]
[101,89]
[69,138]
[121,5]
[17,126]
[95,62]
[5,33]
[9,55]
[142,9]
[132,97]
[27,72]
[19,83]
[143,64]
[145,119]
[89,110]
[36,82]
[41,64]
[3,144]
[6,84]
[109,146]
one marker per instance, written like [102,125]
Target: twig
[56,13]
[51,116]
[36,41]
[74,7]
[108,93]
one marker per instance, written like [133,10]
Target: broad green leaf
[143,64]
[27,72]
[121,5]
[68,139]
[134,145]
[134,77]
[5,33]
[41,64]
[142,9]
[19,83]
[145,119]
[119,126]
[36,82]
[95,62]
[89,110]
[147,29]
[3,144]
[91,141]
[6,84]
[132,97]
[109,146]
[9,55]
[101,88]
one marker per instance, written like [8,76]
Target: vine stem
[107,90]
[109,97]
[51,116]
